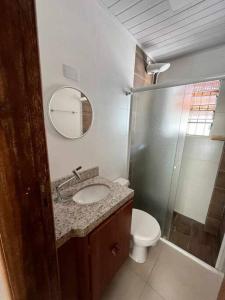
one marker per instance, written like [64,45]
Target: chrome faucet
[75,172]
[76,175]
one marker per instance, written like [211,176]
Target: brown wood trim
[26,216]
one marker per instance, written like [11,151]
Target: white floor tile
[144,270]
[177,277]
[125,286]
[150,294]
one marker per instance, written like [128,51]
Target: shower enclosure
[159,120]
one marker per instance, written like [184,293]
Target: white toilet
[145,231]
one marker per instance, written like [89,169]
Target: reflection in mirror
[70,112]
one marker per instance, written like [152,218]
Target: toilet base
[139,253]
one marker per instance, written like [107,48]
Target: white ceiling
[170,28]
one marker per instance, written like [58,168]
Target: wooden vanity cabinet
[88,264]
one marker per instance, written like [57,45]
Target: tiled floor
[190,235]
[167,275]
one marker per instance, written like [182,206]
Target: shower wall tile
[216,207]
[222,228]
[222,163]
[138,81]
[140,63]
[199,167]
[220,181]
[141,78]
[203,149]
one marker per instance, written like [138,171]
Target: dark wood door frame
[26,215]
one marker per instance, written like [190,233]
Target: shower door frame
[172,199]
[172,84]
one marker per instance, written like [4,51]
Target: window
[203,105]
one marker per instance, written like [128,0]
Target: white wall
[81,34]
[199,166]
[205,63]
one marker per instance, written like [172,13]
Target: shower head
[157,68]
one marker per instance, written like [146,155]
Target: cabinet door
[73,259]
[109,248]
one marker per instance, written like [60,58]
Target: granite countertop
[77,220]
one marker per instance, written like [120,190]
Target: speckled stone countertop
[77,220]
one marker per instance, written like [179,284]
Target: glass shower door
[157,135]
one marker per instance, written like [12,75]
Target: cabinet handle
[115,249]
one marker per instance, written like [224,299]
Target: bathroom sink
[91,194]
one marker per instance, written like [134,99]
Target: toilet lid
[144,226]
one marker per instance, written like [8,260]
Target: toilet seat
[145,229]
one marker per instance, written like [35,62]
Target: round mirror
[70,112]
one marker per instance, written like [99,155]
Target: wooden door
[109,248]
[26,218]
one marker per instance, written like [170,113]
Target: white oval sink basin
[91,194]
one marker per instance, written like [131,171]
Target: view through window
[203,105]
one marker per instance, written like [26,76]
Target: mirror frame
[50,118]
